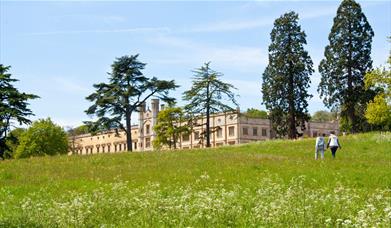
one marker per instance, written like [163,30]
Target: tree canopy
[208,95]
[347,59]
[256,113]
[42,138]
[171,124]
[378,110]
[13,106]
[286,79]
[128,88]
[324,116]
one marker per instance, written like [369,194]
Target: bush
[42,138]
[12,142]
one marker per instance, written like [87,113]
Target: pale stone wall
[228,129]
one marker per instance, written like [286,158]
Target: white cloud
[70,86]
[235,25]
[242,58]
[127,30]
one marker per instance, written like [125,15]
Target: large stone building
[230,129]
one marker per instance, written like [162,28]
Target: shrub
[42,138]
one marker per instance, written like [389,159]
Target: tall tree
[206,96]
[347,59]
[116,101]
[287,77]
[13,106]
[378,111]
[171,124]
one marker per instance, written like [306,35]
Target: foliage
[13,106]
[206,96]
[13,141]
[347,59]
[255,113]
[73,133]
[324,116]
[42,138]
[286,78]
[128,88]
[378,111]
[79,130]
[170,126]
[264,184]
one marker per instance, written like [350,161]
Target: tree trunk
[207,117]
[128,130]
[350,101]
[292,117]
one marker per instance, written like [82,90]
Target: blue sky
[59,49]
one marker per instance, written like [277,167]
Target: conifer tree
[206,96]
[347,59]
[115,102]
[13,106]
[287,77]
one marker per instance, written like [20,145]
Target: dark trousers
[333,150]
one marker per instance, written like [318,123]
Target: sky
[58,50]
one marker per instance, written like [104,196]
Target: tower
[155,111]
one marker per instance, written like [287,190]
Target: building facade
[229,129]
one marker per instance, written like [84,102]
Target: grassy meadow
[269,183]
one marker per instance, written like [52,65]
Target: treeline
[358,95]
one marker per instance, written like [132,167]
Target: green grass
[270,183]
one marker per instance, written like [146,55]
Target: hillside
[265,183]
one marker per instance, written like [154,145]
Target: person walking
[319,146]
[333,143]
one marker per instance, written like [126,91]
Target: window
[264,132]
[147,142]
[115,147]
[120,147]
[135,146]
[108,148]
[231,143]
[103,149]
[245,131]
[231,131]
[103,137]
[255,131]
[147,129]
[196,135]
[97,149]
[219,133]
[185,137]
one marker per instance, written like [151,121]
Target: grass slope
[259,184]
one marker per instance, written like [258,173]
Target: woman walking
[333,143]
